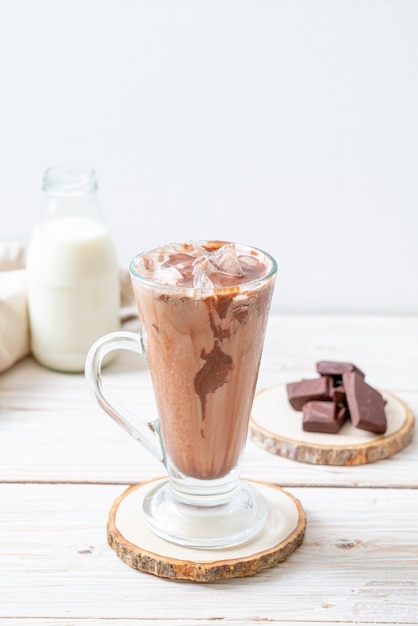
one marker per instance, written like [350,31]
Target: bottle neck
[70,192]
[62,181]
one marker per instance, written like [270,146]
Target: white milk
[73,290]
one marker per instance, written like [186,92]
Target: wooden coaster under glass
[138,546]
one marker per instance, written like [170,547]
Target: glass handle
[147,433]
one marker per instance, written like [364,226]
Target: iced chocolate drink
[203,309]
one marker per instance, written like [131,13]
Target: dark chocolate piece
[338,395]
[323,417]
[336,369]
[302,391]
[366,405]
[342,414]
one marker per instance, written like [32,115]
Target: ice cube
[248,260]
[202,269]
[167,274]
[201,280]
[189,249]
[205,264]
[226,260]
[145,265]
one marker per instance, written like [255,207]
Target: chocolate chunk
[366,405]
[342,414]
[338,395]
[336,369]
[323,417]
[302,391]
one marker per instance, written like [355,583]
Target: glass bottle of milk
[72,271]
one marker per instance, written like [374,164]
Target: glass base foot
[228,522]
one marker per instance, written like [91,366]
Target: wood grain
[53,414]
[358,562]
[63,463]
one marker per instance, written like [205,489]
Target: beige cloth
[14,322]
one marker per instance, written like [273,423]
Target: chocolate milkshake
[203,310]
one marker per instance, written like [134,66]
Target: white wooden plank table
[63,462]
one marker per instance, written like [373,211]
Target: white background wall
[291,125]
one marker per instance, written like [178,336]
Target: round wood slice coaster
[134,542]
[277,428]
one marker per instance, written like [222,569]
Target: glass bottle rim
[69,179]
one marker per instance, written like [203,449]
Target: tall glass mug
[203,308]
